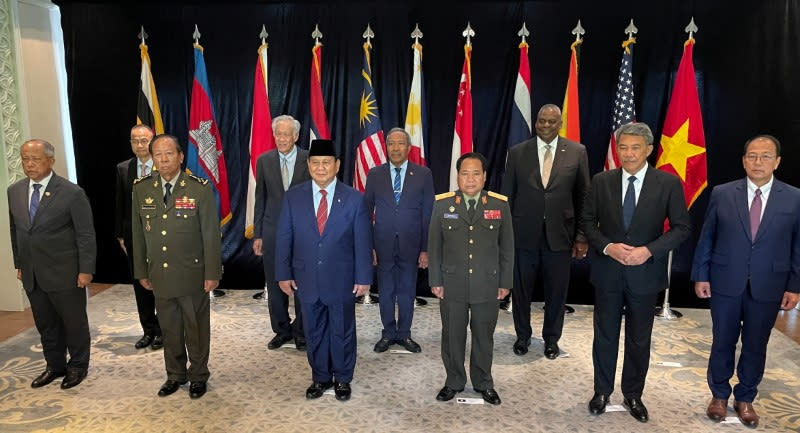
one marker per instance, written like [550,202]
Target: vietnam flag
[570,113]
[462,134]
[683,143]
[261,138]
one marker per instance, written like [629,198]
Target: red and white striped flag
[624,109]
[261,137]
[462,135]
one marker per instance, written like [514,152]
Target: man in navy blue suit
[322,251]
[748,256]
[401,195]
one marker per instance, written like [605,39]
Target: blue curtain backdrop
[746,61]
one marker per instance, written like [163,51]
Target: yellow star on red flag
[675,150]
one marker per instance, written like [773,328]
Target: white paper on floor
[329,392]
[398,351]
[669,364]
[469,400]
[731,420]
[616,408]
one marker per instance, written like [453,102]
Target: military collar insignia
[149,200]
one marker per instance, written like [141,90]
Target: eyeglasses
[140,141]
[752,157]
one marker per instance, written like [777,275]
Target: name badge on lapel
[451,216]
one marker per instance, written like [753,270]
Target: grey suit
[50,251]
[269,197]
[471,258]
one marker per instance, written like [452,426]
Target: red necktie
[322,211]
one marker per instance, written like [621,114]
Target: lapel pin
[183,183]
[47,193]
[410,173]
[452,209]
[155,184]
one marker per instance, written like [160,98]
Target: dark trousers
[278,305]
[482,320]
[145,300]
[639,314]
[331,340]
[732,316]
[555,268]
[60,318]
[186,326]
[397,280]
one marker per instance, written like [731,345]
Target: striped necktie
[396,187]
[322,211]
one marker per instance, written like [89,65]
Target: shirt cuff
[604,249]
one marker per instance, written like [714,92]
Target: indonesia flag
[416,119]
[261,138]
[370,152]
[462,135]
[204,157]
[319,120]
[624,109]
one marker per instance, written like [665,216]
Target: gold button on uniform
[196,260]
[164,248]
[166,265]
[470,241]
[470,227]
[470,256]
[164,233]
[164,216]
[470,271]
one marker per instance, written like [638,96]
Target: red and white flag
[462,135]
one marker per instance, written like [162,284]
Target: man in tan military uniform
[176,253]
[470,267]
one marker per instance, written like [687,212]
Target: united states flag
[370,151]
[624,109]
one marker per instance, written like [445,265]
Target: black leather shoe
[409,345]
[382,345]
[342,391]
[197,389]
[597,404]
[169,387]
[317,389]
[489,395]
[447,393]
[143,342]
[551,350]
[46,377]
[73,378]
[278,341]
[636,408]
[158,342]
[521,346]
[300,344]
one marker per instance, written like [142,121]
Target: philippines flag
[261,138]
[204,156]
[319,120]
[370,152]
[624,109]
[462,134]
[416,115]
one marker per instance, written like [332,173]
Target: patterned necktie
[471,208]
[547,165]
[285,174]
[34,200]
[322,211]
[755,214]
[396,187]
[629,204]
[144,170]
[168,187]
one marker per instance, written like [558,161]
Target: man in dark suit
[471,261]
[624,221]
[546,181]
[400,193]
[748,257]
[323,252]
[176,253]
[127,171]
[53,242]
[277,171]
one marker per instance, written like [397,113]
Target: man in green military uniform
[470,267]
[176,253]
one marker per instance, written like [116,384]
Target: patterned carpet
[255,390]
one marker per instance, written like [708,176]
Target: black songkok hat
[322,147]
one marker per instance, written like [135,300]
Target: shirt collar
[751,187]
[289,156]
[402,167]
[639,174]
[42,182]
[331,188]
[540,144]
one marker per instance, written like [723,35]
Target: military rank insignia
[492,214]
[185,203]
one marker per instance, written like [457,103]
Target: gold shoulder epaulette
[199,180]
[445,195]
[139,179]
[497,196]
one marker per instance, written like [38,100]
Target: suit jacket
[559,206]
[177,245]
[59,243]
[324,266]
[728,257]
[269,196]
[661,198]
[407,220]
[471,257]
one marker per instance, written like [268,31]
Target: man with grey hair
[624,222]
[54,247]
[400,194]
[277,171]
[546,182]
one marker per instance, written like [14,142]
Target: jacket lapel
[559,154]
[743,209]
[531,156]
[300,167]
[47,197]
[616,198]
[648,190]
[775,197]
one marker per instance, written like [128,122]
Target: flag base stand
[507,306]
[666,313]
[419,302]
[261,295]
[367,299]
[216,293]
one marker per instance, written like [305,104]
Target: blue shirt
[315,190]
[393,173]
[290,160]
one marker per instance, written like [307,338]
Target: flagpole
[264,294]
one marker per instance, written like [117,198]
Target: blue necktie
[629,204]
[34,200]
[397,185]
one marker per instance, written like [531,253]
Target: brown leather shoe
[717,409]
[747,415]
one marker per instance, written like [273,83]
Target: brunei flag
[570,112]
[683,142]
[147,110]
